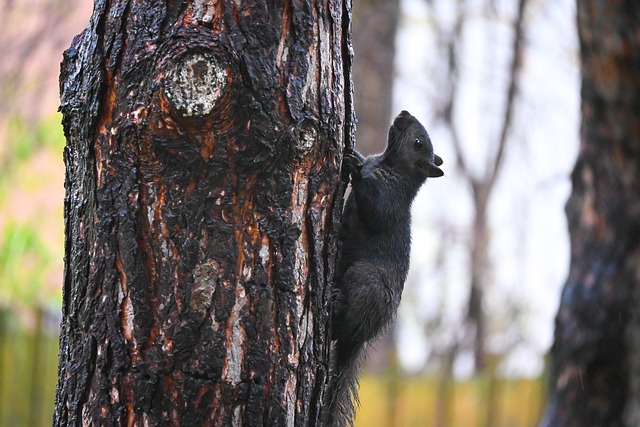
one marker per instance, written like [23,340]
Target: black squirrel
[374,261]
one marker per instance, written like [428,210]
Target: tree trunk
[204,142]
[595,367]
[478,271]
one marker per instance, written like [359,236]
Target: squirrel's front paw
[352,164]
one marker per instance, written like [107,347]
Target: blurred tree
[203,194]
[481,183]
[374,35]
[595,359]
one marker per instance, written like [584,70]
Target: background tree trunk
[204,141]
[595,369]
[374,35]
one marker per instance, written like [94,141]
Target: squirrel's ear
[403,120]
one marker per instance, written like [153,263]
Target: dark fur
[376,240]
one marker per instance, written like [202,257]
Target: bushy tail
[342,392]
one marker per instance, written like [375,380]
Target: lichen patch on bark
[195,84]
[205,278]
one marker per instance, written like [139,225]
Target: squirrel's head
[410,147]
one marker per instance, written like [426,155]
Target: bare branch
[514,74]
[454,72]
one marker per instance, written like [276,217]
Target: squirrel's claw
[352,163]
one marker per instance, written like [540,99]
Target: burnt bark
[204,141]
[594,368]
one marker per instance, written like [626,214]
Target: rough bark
[204,140]
[594,369]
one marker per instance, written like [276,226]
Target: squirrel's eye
[418,143]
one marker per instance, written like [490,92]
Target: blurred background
[496,83]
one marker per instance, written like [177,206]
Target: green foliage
[23,259]
[31,249]
[31,200]
[25,139]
